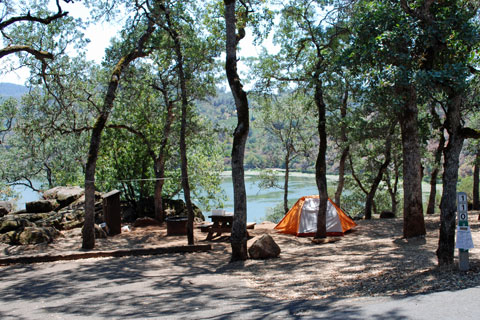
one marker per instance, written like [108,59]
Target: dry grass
[372,260]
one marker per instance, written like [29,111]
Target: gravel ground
[373,260]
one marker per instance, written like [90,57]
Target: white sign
[464,238]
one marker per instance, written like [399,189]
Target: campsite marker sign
[464,235]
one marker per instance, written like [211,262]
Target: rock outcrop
[61,209]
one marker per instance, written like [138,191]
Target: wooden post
[464,237]
[111,212]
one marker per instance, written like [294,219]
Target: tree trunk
[413,222]
[434,175]
[321,164]
[88,233]
[392,190]
[157,196]
[448,204]
[369,203]
[159,160]
[346,149]
[239,228]
[171,29]
[285,185]
[476,176]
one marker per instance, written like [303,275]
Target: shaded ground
[371,261]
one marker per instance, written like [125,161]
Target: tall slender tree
[235,31]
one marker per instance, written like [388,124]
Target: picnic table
[221,224]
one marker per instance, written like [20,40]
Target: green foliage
[275,214]
[465,184]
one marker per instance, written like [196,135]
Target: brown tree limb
[40,55]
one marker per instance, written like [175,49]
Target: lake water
[259,201]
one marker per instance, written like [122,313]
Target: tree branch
[469,133]
[40,55]
[29,17]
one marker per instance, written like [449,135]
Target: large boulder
[34,235]
[41,206]
[264,248]
[64,195]
[5,207]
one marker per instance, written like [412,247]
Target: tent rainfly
[301,219]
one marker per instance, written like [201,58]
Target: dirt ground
[372,260]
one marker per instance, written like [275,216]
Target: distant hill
[12,90]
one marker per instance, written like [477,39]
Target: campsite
[124,116]
[371,260]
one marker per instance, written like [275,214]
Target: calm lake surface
[258,200]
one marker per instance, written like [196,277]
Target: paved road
[144,288]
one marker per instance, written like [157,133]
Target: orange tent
[301,219]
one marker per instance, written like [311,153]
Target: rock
[13,223]
[264,248]
[178,208]
[64,195]
[33,217]
[145,221]
[41,206]
[34,235]
[80,202]
[5,207]
[53,220]
[387,215]
[10,237]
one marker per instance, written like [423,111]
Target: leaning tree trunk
[346,149]
[88,233]
[239,228]
[413,222]
[448,205]
[476,181]
[434,175]
[321,164]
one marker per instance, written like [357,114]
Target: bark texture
[448,205]
[321,164]
[434,175]
[239,228]
[413,222]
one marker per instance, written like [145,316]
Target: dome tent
[301,219]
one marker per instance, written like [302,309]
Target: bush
[275,214]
